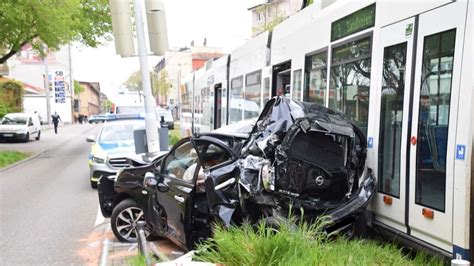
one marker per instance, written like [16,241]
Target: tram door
[416,145]
[218,105]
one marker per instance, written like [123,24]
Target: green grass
[10,157]
[174,134]
[305,245]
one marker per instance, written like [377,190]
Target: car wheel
[38,136]
[93,184]
[124,220]
[27,138]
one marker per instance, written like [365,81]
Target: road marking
[100,218]
[105,253]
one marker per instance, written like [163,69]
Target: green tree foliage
[52,22]
[11,97]
[164,86]
[78,87]
[159,83]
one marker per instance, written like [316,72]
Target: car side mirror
[150,180]
[162,187]
[90,139]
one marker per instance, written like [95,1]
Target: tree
[78,87]
[164,85]
[159,84]
[51,22]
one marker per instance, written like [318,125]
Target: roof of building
[206,56]
[29,89]
[95,86]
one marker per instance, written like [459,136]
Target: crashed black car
[300,157]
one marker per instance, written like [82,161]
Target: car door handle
[179,199]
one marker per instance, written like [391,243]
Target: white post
[46,85]
[150,118]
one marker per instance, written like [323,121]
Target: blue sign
[461,152]
[370,142]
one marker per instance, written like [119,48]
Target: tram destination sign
[357,21]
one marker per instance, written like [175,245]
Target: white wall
[38,104]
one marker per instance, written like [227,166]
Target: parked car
[300,159]
[20,126]
[97,118]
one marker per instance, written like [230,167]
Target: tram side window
[433,119]
[253,85]
[391,118]
[296,94]
[349,83]
[236,100]
[266,90]
[316,77]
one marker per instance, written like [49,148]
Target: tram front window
[433,119]
[350,81]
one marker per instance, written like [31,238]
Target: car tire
[27,138]
[93,184]
[124,218]
[38,137]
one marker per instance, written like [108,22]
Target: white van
[20,126]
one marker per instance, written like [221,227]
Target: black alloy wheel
[124,221]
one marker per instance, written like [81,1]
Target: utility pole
[179,94]
[150,118]
[71,83]
[46,84]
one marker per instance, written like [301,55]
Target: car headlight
[98,159]
[21,131]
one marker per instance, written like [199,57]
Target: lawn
[10,157]
[303,245]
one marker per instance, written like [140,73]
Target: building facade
[267,13]
[180,62]
[87,103]
[27,66]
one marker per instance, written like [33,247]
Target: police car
[114,148]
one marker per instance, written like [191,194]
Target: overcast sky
[225,24]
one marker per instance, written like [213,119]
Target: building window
[253,85]
[316,78]
[349,82]
[260,17]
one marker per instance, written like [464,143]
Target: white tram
[402,71]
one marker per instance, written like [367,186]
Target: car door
[176,176]
[31,126]
[217,159]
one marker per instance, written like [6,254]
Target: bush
[11,97]
[303,245]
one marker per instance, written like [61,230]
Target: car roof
[19,114]
[125,122]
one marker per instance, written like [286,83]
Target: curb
[34,156]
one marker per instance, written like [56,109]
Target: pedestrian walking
[56,119]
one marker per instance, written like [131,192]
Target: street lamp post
[150,118]
[46,84]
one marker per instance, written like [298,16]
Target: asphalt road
[47,206]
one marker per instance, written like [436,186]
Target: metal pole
[46,85]
[71,84]
[142,248]
[179,94]
[150,118]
